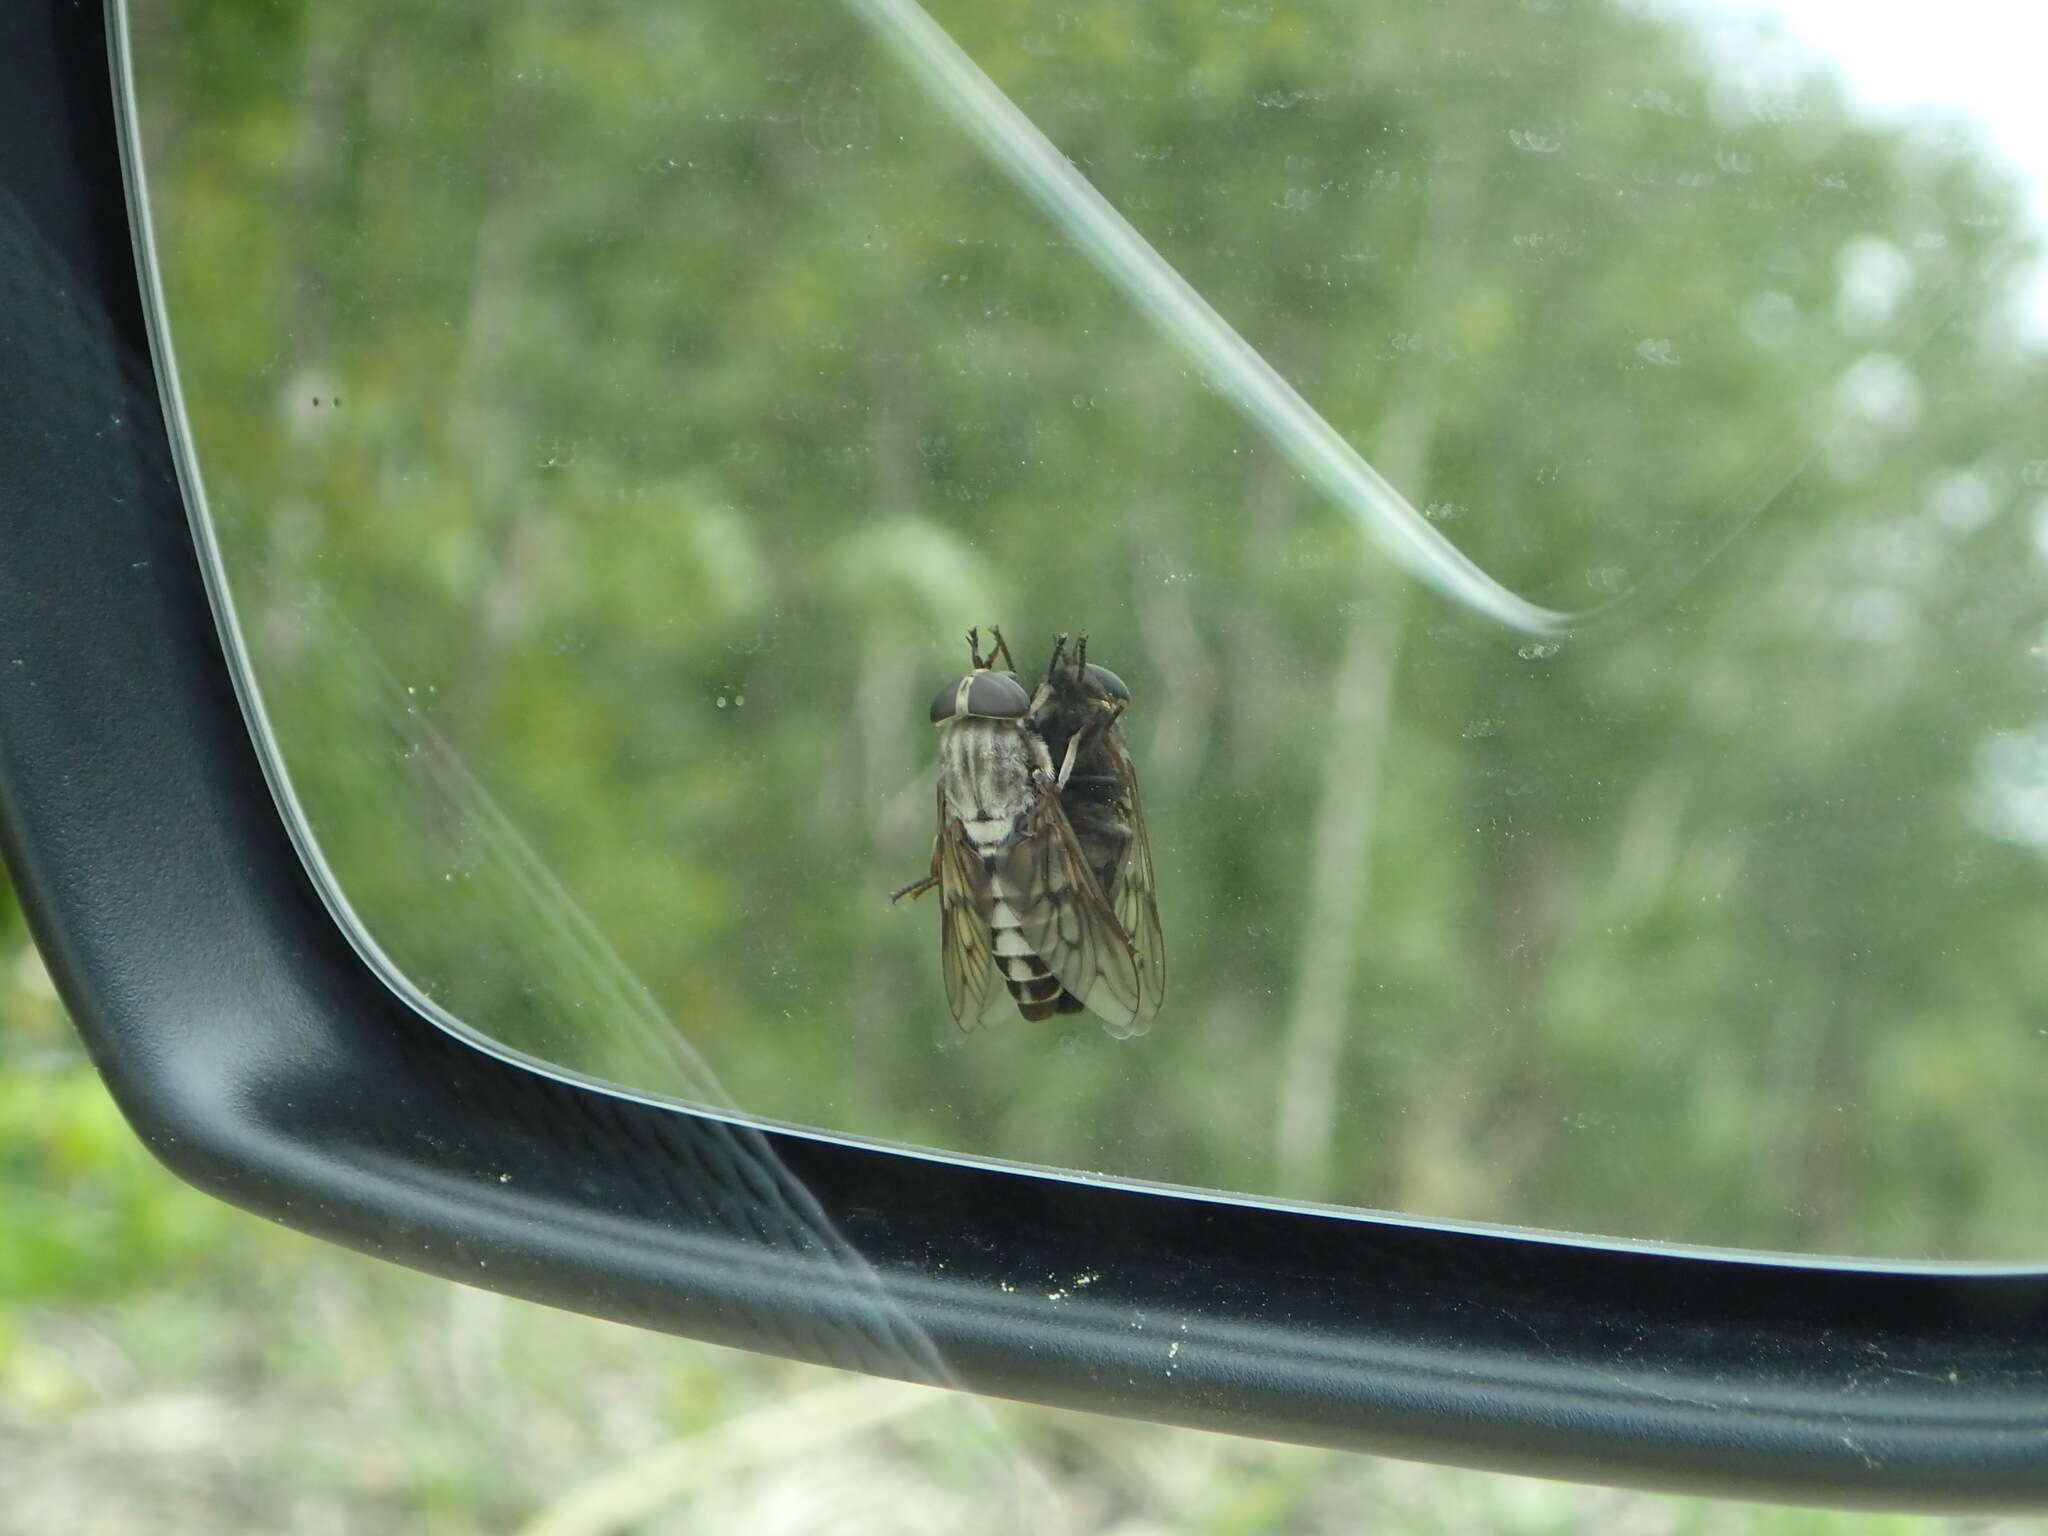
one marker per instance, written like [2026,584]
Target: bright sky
[1983,54]
[1986,56]
[1987,59]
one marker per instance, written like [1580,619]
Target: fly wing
[1063,915]
[1132,894]
[966,909]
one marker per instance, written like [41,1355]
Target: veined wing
[1064,916]
[967,907]
[1134,897]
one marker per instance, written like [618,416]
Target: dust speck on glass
[1561,487]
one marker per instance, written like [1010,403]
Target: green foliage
[686,384]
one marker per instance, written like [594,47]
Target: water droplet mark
[839,116]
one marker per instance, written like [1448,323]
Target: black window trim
[263,1058]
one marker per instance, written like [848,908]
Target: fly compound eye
[994,696]
[1109,683]
[946,702]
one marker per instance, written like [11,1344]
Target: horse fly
[1077,710]
[1017,897]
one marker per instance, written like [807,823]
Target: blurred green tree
[612,415]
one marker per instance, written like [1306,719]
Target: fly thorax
[986,768]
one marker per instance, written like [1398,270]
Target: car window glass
[1562,483]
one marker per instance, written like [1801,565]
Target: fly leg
[917,888]
[1105,717]
[1067,762]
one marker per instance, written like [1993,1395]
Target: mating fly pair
[1041,859]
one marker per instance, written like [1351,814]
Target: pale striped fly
[1018,897]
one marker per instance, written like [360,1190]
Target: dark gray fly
[1077,710]
[1017,895]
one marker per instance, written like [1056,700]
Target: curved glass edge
[298,826]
